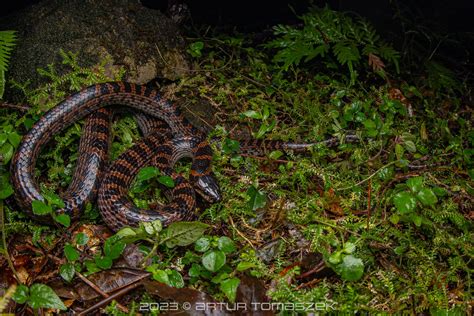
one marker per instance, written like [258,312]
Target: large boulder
[143,40]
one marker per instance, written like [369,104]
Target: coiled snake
[168,138]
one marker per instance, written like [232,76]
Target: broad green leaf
[103,262]
[257,200]
[70,252]
[63,219]
[213,260]
[14,139]
[416,219]
[21,294]
[275,154]
[6,153]
[53,199]
[6,190]
[427,197]
[175,278]
[415,183]
[230,146]
[399,151]
[148,173]
[226,244]
[244,265]
[161,276]
[67,271]
[125,233]
[410,146]
[229,288]
[42,296]
[166,181]
[202,244]
[3,138]
[405,202]
[195,270]
[41,208]
[184,233]
[113,250]
[351,268]
[82,239]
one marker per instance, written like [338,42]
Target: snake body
[168,138]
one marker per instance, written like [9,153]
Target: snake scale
[168,137]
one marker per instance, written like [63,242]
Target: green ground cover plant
[382,225]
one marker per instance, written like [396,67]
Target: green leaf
[70,252]
[22,294]
[42,296]
[351,268]
[244,265]
[275,154]
[82,239]
[3,138]
[166,181]
[67,271]
[229,288]
[399,151]
[252,114]
[416,219]
[53,199]
[175,278]
[202,244]
[195,270]
[349,247]
[63,219]
[226,244]
[6,153]
[213,260]
[14,139]
[415,183]
[410,146]
[183,233]
[230,146]
[427,197]
[112,249]
[148,173]
[103,262]
[40,208]
[6,190]
[405,202]
[257,200]
[161,276]
[125,233]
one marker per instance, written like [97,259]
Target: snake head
[207,187]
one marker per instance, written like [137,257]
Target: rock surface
[142,40]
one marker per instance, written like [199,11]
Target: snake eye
[208,188]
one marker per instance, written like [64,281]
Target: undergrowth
[389,216]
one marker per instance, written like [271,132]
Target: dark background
[257,15]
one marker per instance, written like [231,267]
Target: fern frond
[7,41]
[7,297]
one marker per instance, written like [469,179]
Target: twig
[20,107]
[98,290]
[240,233]
[107,300]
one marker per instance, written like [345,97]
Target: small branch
[98,290]
[8,105]
[112,297]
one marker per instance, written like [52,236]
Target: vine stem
[4,243]
[369,177]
